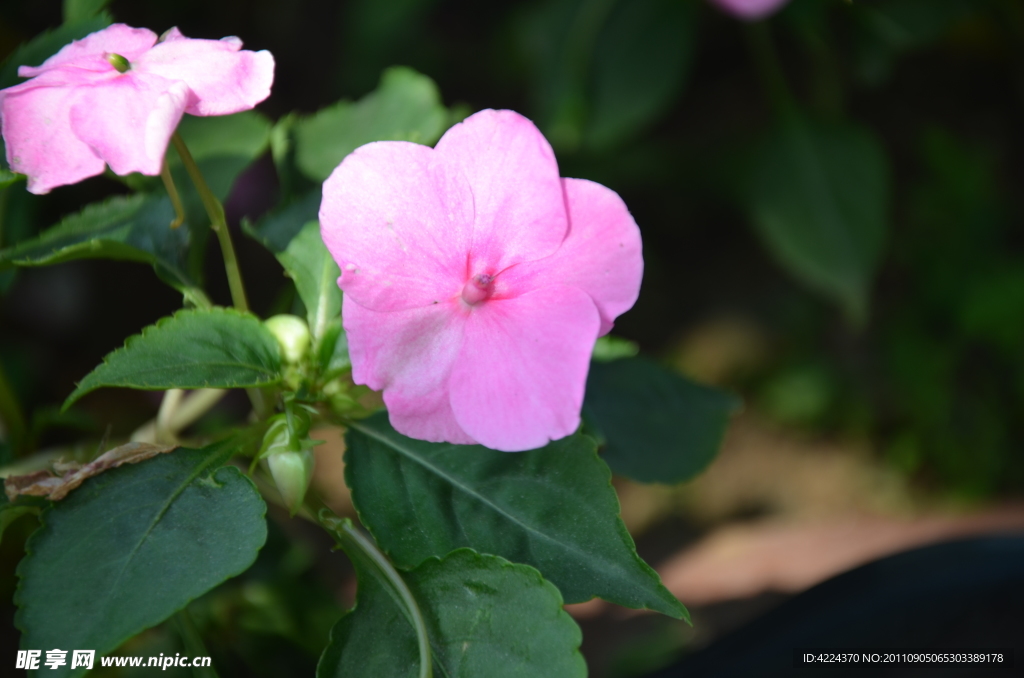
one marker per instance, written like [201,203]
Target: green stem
[217,222]
[172,193]
[359,547]
[769,70]
[11,414]
[193,642]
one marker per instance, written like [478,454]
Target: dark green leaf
[135,228]
[80,10]
[7,177]
[332,353]
[278,228]
[484,616]
[657,426]
[406,106]
[818,195]
[639,66]
[309,264]
[132,546]
[11,511]
[552,508]
[199,348]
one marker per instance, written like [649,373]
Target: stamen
[120,64]
[478,288]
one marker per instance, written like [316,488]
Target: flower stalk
[172,193]
[218,223]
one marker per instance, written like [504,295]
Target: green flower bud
[292,472]
[120,64]
[292,334]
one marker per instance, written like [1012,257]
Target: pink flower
[82,109]
[750,10]
[476,280]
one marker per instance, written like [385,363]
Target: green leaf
[609,348]
[307,262]
[484,616]
[45,45]
[133,228]
[276,230]
[80,10]
[7,177]
[199,348]
[656,426]
[640,62]
[132,546]
[11,511]
[818,195]
[406,106]
[552,508]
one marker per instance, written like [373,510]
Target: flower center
[119,63]
[478,288]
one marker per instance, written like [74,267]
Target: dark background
[932,378]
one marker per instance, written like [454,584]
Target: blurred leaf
[608,348]
[640,61]
[406,106]
[889,28]
[993,308]
[818,195]
[552,508]
[131,546]
[276,230]
[134,228]
[315,273]
[244,135]
[484,616]
[7,177]
[200,348]
[657,426]
[80,10]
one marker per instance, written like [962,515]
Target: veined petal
[40,142]
[518,381]
[90,52]
[601,254]
[223,78]
[128,120]
[398,224]
[517,193]
[410,355]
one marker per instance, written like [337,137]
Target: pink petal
[223,78]
[750,10]
[601,254]
[40,143]
[90,52]
[410,355]
[128,120]
[518,381]
[517,193]
[398,224]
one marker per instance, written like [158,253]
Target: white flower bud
[292,473]
[292,334]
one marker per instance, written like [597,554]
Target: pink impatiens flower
[476,280]
[750,10]
[116,96]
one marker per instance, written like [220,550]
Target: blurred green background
[830,200]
